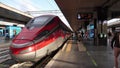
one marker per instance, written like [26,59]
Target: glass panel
[38,22]
[42,34]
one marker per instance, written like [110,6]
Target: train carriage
[41,36]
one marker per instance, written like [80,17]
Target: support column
[102,13]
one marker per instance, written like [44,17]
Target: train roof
[48,15]
[45,19]
[40,20]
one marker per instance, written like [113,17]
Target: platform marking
[69,45]
[68,49]
[50,64]
[93,61]
[64,47]
[81,47]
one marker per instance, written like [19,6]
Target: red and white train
[41,36]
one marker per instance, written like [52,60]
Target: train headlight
[23,48]
[27,50]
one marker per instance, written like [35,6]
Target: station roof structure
[71,8]
[11,14]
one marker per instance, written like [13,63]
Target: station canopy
[73,8]
[10,14]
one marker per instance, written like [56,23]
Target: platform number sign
[83,16]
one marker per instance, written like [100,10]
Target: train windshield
[38,21]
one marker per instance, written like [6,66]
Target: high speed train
[41,36]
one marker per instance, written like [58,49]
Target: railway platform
[5,58]
[82,55]
[4,43]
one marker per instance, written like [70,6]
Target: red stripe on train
[39,45]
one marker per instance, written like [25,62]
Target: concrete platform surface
[76,54]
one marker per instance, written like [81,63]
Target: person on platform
[14,33]
[115,44]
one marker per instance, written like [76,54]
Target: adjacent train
[11,31]
[41,36]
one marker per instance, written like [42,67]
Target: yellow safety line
[83,48]
[64,47]
[93,61]
[68,49]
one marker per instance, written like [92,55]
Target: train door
[1,32]
[40,46]
[7,34]
[34,54]
[59,38]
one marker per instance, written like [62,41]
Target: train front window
[38,22]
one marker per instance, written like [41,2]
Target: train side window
[42,34]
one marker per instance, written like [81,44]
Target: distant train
[11,31]
[40,37]
[1,32]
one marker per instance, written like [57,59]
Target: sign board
[84,16]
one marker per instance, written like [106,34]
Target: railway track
[4,54]
[5,58]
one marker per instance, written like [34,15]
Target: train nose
[23,52]
[24,57]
